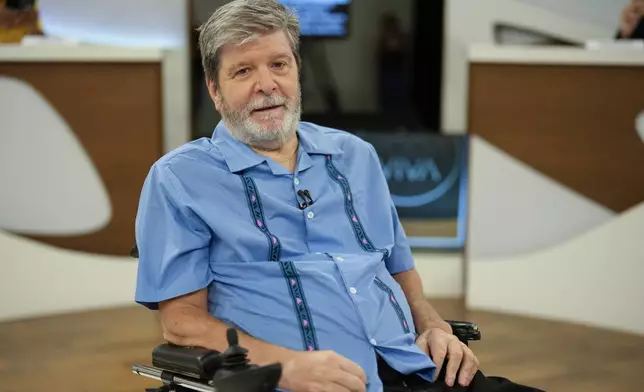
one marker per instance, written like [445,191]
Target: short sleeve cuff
[151,299]
[401,260]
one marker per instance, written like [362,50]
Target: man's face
[259,94]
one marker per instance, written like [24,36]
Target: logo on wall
[425,172]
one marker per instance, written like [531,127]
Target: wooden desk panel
[115,109]
[575,124]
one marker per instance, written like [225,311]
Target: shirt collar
[240,157]
[315,141]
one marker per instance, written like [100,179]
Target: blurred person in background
[392,60]
[631,24]
[18,18]
[286,230]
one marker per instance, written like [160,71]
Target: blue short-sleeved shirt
[214,214]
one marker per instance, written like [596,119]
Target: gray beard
[243,128]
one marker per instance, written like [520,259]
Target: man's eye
[242,72]
[279,65]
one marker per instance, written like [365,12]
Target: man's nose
[265,81]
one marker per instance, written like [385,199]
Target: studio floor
[93,352]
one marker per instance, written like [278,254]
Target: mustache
[273,100]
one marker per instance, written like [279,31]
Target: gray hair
[241,21]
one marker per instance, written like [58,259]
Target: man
[286,231]
[631,24]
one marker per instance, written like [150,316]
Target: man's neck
[285,155]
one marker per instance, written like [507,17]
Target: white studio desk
[125,106]
[556,214]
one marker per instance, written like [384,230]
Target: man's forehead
[271,43]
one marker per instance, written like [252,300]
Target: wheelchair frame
[182,369]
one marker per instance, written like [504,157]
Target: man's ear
[213,90]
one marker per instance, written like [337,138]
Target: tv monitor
[321,18]
[427,178]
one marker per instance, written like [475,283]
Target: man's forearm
[188,325]
[425,316]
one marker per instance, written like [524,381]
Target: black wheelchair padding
[465,331]
[195,362]
[182,368]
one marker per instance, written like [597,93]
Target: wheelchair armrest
[184,368]
[465,331]
[194,362]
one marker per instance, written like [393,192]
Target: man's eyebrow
[275,56]
[281,55]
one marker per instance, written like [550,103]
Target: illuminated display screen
[427,178]
[321,18]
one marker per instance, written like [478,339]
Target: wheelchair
[184,369]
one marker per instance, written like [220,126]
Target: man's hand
[322,371]
[440,345]
[630,17]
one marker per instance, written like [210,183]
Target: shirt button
[310,215]
[373,342]
[353,290]
[296,181]
[339,258]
